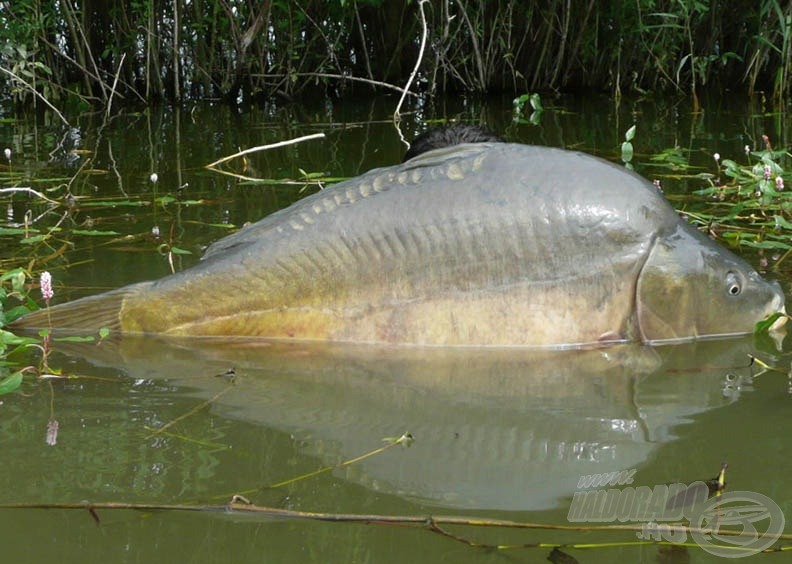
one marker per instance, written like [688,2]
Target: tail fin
[86,315]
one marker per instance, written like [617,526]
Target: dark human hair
[449,136]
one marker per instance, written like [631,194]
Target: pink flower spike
[767,172]
[46,286]
[779,183]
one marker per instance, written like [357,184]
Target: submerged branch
[193,411]
[405,439]
[239,506]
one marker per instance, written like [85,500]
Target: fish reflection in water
[494,428]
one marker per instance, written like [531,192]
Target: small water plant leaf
[310,175]
[520,101]
[672,158]
[18,281]
[733,170]
[34,239]
[113,203]
[14,313]
[11,383]
[10,274]
[15,231]
[782,223]
[94,233]
[179,251]
[630,134]
[8,338]
[76,339]
[626,151]
[764,325]
[765,244]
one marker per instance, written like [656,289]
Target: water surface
[497,433]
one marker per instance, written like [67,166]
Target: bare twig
[28,191]
[266,147]
[476,49]
[113,89]
[43,99]
[363,42]
[340,77]
[424,33]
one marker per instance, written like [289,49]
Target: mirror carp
[477,244]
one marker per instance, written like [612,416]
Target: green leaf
[11,274]
[15,313]
[113,204]
[630,134]
[76,339]
[782,223]
[765,244]
[94,232]
[16,231]
[520,100]
[34,239]
[178,251]
[764,325]
[626,151]
[8,338]
[10,383]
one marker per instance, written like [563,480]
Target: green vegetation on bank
[141,51]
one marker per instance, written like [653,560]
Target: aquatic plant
[746,205]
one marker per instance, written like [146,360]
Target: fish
[482,244]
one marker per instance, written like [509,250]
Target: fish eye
[733,285]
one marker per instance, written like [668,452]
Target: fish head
[691,287]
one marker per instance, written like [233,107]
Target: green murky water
[498,434]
